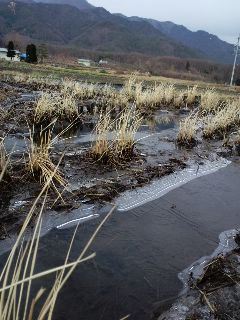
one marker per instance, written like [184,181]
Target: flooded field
[167,166]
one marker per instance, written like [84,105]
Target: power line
[235,60]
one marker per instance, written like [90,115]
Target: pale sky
[220,17]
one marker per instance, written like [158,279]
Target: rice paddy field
[110,187]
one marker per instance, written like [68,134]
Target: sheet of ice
[158,188]
[226,244]
[52,219]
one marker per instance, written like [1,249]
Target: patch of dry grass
[4,160]
[81,90]
[115,138]
[191,94]
[210,100]
[178,99]
[45,108]
[187,130]
[222,120]
[126,127]
[101,148]
[154,97]
[62,106]
[169,93]
[3,115]
[40,163]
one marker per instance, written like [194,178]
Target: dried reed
[40,163]
[187,130]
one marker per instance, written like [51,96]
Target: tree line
[33,54]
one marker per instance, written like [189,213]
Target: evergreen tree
[2,42]
[11,52]
[42,52]
[31,53]
[188,66]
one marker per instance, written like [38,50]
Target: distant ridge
[203,42]
[93,28]
[80,4]
[206,43]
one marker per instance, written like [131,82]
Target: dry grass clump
[109,91]
[45,108]
[101,149]
[159,95]
[154,121]
[81,90]
[126,127]
[119,102]
[115,139]
[109,99]
[4,161]
[103,97]
[219,118]
[153,97]
[143,97]
[178,99]
[210,101]
[61,106]
[90,91]
[169,93]
[187,131]
[107,96]
[129,88]
[66,106]
[237,142]
[191,94]
[3,115]
[18,77]
[225,118]
[40,163]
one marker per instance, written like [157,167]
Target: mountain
[23,1]
[58,21]
[80,4]
[204,43]
[94,29]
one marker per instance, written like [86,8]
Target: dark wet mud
[141,252]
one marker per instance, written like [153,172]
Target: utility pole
[235,60]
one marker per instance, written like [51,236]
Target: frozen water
[158,188]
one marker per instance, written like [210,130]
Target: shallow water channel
[140,252]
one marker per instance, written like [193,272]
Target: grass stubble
[114,139]
[4,161]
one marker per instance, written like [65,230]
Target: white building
[85,62]
[103,62]
[3,55]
